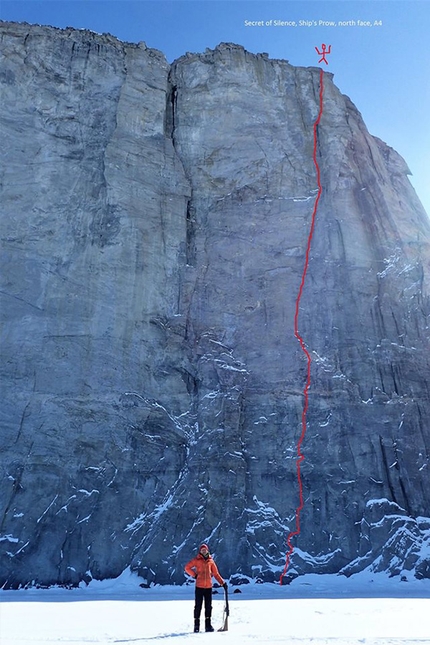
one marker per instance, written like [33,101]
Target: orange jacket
[203,569]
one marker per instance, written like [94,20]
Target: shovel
[226,613]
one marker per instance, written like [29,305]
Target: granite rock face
[154,226]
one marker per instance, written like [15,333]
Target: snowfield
[367,609]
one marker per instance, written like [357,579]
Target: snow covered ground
[316,610]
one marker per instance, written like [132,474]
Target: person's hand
[225,586]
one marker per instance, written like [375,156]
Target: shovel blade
[224,628]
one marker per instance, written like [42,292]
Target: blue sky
[385,68]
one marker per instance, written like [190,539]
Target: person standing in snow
[202,568]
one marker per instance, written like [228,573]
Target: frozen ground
[314,610]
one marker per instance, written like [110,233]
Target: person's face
[204,551]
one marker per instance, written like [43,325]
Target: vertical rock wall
[154,227]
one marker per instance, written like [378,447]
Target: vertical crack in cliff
[170,126]
[173,101]
[171,107]
[190,243]
[23,418]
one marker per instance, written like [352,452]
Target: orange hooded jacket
[203,569]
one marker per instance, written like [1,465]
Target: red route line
[300,455]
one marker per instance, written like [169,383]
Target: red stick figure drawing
[324,52]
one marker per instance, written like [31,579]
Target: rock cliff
[154,226]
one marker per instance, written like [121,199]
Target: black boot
[208,626]
[196,624]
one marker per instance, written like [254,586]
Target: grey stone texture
[154,221]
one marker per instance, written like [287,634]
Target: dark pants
[207,595]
